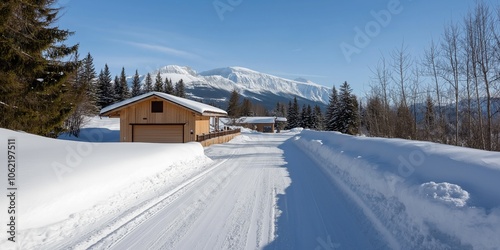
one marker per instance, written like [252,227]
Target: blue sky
[285,38]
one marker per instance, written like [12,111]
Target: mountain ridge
[215,85]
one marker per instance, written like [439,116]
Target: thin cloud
[165,50]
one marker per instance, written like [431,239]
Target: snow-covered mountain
[214,86]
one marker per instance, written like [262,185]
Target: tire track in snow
[370,215]
[127,222]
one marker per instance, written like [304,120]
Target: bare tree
[431,68]
[484,25]
[450,73]
[401,65]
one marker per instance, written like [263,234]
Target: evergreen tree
[83,82]
[304,117]
[348,111]
[318,120]
[117,90]
[136,85]
[309,117]
[430,117]
[293,117]
[233,106]
[246,107]
[88,77]
[148,84]
[168,88]
[124,92]
[332,119]
[158,83]
[404,122]
[105,91]
[35,66]
[180,89]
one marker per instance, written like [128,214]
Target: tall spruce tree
[293,117]
[105,92]
[332,118]
[35,66]
[348,110]
[180,89]
[86,103]
[117,90]
[169,87]
[148,84]
[89,78]
[136,85]
[233,106]
[318,119]
[158,83]
[246,107]
[304,117]
[124,91]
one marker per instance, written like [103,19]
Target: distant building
[264,124]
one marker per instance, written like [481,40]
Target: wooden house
[160,117]
[265,124]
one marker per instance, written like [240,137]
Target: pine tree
[148,84]
[124,92]
[88,78]
[105,92]
[347,111]
[332,119]
[117,90]
[309,117]
[304,117]
[180,90]
[158,83]
[136,85]
[168,88]
[293,117]
[84,82]
[318,120]
[35,66]
[233,106]
[246,107]
[430,117]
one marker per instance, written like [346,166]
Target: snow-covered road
[260,192]
[295,190]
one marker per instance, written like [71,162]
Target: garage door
[158,133]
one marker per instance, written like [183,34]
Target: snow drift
[62,180]
[450,195]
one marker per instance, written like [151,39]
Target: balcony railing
[203,137]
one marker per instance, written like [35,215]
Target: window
[156,107]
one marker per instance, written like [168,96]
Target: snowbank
[59,180]
[450,195]
[97,129]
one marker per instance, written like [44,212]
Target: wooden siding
[140,113]
[202,125]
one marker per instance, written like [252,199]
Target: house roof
[195,106]
[260,119]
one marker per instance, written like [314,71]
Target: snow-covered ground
[293,190]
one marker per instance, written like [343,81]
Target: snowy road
[261,192]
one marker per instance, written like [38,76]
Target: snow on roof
[189,104]
[261,119]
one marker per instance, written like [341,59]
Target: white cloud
[165,50]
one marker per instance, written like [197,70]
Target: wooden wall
[140,113]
